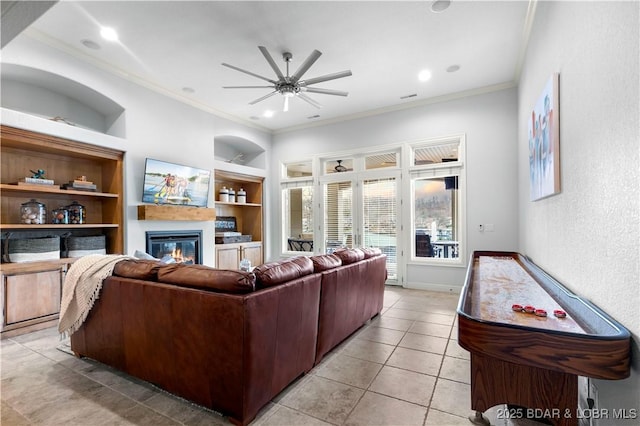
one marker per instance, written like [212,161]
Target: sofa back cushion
[371,252]
[146,270]
[323,262]
[204,277]
[273,273]
[349,255]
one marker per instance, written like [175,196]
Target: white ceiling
[170,45]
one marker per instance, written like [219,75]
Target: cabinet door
[227,257]
[252,252]
[32,295]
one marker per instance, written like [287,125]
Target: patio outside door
[362,211]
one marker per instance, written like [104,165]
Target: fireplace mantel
[164,212]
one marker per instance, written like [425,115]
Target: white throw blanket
[81,289]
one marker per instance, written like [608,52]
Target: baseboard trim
[443,288]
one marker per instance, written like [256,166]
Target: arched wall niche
[238,150]
[43,94]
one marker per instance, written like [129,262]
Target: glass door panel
[379,219]
[338,215]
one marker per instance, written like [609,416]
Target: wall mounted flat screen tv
[175,184]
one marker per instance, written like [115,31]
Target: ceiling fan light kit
[290,86]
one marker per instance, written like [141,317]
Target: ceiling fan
[291,85]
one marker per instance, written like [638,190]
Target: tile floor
[403,368]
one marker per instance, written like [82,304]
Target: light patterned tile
[392,323]
[368,350]
[455,350]
[350,371]
[382,335]
[287,416]
[424,342]
[452,397]
[440,418]
[431,329]
[456,369]
[374,409]
[402,314]
[419,361]
[404,384]
[443,319]
[324,399]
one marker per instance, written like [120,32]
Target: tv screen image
[169,183]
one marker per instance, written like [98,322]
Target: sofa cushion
[273,273]
[350,255]
[138,269]
[371,252]
[204,277]
[322,262]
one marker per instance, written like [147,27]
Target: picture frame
[544,142]
[175,184]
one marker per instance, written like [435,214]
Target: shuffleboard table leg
[479,419]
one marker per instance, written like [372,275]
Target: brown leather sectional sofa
[230,340]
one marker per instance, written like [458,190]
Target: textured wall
[588,235]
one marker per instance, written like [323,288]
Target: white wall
[156,126]
[489,122]
[588,235]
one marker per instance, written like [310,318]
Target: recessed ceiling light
[188,90]
[109,34]
[440,5]
[268,113]
[90,44]
[453,68]
[424,75]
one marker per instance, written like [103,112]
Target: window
[338,217]
[380,161]
[298,169]
[436,178]
[338,166]
[297,206]
[380,214]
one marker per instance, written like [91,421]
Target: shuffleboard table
[530,338]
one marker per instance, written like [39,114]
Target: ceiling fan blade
[249,72]
[324,91]
[326,77]
[269,59]
[306,65]
[247,87]
[309,100]
[263,98]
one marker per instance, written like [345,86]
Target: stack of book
[35,182]
[80,185]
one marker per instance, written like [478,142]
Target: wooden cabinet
[249,219]
[31,290]
[253,252]
[30,295]
[228,256]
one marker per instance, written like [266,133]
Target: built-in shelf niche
[43,94]
[238,150]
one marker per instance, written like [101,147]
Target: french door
[362,209]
